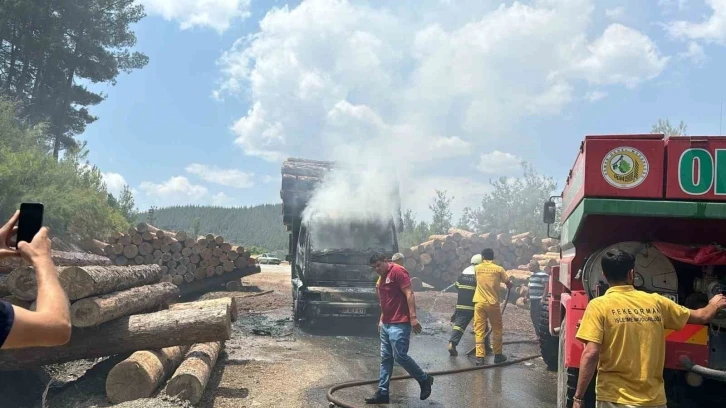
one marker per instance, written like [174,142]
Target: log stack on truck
[663,199]
[329,253]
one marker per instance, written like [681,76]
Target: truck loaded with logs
[662,199]
[329,253]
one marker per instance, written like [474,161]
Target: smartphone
[30,221]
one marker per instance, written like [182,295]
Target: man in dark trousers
[465,287]
[398,319]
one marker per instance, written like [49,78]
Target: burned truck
[329,253]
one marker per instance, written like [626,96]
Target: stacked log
[128,334]
[440,260]
[183,259]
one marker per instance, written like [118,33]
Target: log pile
[183,259]
[440,260]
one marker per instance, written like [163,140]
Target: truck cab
[331,274]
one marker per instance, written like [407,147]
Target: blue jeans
[394,347]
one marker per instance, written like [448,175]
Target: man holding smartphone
[50,323]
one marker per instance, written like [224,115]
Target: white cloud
[176,190]
[428,85]
[621,55]
[217,14]
[712,29]
[615,13]
[114,183]
[594,96]
[499,163]
[226,177]
[694,53]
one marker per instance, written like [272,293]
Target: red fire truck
[664,200]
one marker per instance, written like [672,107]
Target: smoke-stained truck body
[663,200]
[329,256]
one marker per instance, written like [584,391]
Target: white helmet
[476,259]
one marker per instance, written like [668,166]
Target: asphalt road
[526,384]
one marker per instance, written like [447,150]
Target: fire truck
[663,199]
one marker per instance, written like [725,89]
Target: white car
[268,259]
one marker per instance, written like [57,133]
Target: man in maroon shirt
[398,318]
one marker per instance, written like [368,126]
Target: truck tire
[548,344]
[567,377]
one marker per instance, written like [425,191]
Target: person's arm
[411,300]
[50,323]
[588,365]
[705,314]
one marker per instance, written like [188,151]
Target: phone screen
[30,221]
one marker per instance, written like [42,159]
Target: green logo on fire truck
[625,167]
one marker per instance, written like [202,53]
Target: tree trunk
[101,309]
[142,373]
[127,334]
[229,302]
[191,377]
[95,246]
[81,282]
[59,258]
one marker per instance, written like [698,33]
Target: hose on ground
[338,403]
[351,384]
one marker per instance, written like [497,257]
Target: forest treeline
[258,228]
[50,51]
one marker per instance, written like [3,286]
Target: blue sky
[452,92]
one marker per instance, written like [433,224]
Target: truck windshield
[334,236]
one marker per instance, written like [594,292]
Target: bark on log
[127,334]
[228,302]
[59,259]
[81,282]
[95,310]
[142,373]
[190,379]
[94,246]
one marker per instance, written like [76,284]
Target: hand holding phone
[30,221]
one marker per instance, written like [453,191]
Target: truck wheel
[567,377]
[548,344]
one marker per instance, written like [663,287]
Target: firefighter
[465,287]
[489,277]
[624,336]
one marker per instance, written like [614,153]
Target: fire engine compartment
[689,285]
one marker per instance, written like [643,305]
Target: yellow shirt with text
[630,325]
[489,277]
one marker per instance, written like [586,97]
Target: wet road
[526,384]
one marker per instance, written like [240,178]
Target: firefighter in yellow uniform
[489,277]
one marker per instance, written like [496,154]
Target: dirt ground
[267,363]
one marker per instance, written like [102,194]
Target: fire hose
[335,402]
